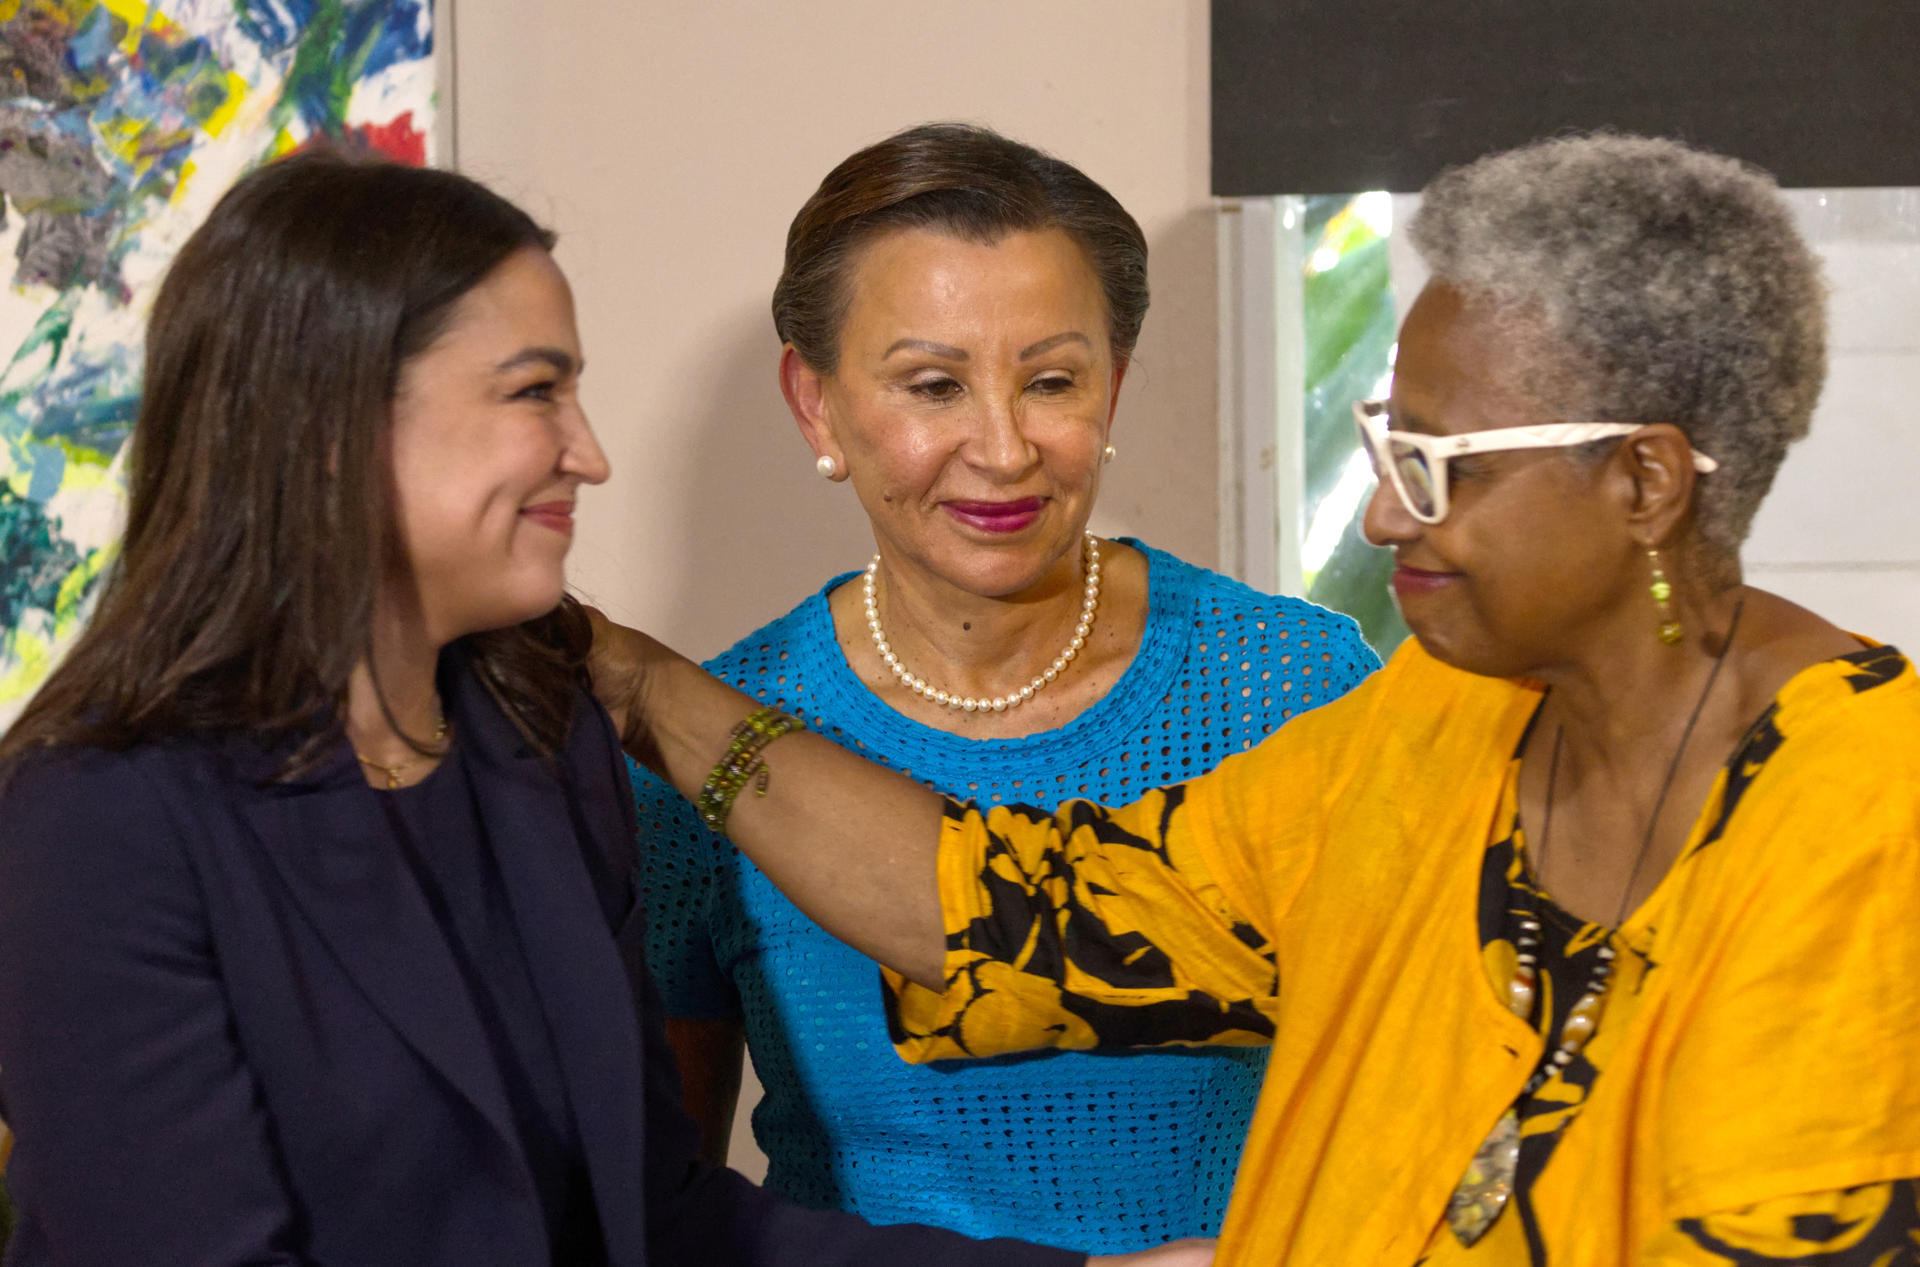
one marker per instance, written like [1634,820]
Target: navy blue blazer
[232,1032]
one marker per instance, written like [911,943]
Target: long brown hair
[965,181]
[258,512]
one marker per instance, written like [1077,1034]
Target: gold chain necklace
[393,772]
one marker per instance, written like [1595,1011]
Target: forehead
[524,300]
[1467,366]
[922,277]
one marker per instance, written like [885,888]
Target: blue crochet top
[1099,1151]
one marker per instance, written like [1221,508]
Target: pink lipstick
[997,516]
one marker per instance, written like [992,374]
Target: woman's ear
[805,390]
[1120,368]
[1656,478]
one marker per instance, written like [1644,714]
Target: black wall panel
[1327,96]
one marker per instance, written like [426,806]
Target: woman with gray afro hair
[1668,283]
[1583,931]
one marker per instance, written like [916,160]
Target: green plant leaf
[1341,303]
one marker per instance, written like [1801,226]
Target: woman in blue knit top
[958,312]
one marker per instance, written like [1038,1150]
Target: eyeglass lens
[1415,476]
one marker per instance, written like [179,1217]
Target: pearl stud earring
[827,467]
[1108,455]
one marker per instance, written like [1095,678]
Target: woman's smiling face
[971,402]
[1534,554]
[489,448]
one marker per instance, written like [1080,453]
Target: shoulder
[105,823]
[1239,617]
[801,633]
[98,786]
[1840,744]
[1870,692]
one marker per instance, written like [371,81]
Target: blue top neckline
[1123,709]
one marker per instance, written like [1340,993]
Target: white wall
[1840,532]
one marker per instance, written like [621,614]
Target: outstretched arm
[874,888]
[1110,926]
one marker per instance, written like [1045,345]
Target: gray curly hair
[1661,283]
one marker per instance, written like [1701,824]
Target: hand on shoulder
[617,666]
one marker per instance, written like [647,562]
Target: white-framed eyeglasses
[1416,463]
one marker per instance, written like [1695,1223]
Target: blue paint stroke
[34,560]
[49,468]
[275,25]
[393,31]
[93,43]
[345,42]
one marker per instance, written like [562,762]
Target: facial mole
[966,624]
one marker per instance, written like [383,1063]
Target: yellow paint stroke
[32,657]
[136,142]
[66,603]
[86,468]
[217,122]
[137,16]
[9,10]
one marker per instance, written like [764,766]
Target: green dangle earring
[1662,591]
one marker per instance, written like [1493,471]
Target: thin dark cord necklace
[1666,784]
[1487,1187]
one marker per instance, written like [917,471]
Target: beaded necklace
[1487,1187]
[1089,604]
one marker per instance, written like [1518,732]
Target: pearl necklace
[1089,604]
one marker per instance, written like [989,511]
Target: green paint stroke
[35,562]
[331,57]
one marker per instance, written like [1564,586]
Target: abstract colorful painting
[121,123]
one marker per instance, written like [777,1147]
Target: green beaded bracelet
[741,762]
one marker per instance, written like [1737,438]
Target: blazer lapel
[536,823]
[333,845]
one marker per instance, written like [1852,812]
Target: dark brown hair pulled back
[258,509]
[965,181]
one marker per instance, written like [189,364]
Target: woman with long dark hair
[318,932]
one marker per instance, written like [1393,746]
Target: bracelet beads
[743,763]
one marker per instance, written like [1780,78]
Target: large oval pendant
[1484,1191]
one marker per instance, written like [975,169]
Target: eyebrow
[925,345]
[562,362]
[1049,344]
[1407,420]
